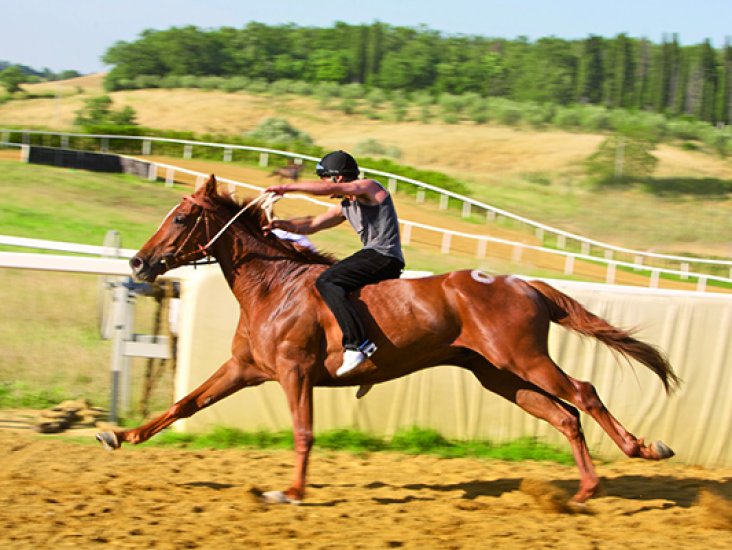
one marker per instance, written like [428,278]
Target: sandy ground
[58,494]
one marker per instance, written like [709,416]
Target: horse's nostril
[136,263]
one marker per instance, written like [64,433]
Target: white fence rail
[563,238]
[480,246]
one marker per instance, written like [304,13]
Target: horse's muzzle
[144,270]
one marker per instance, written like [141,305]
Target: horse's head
[181,237]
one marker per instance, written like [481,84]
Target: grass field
[534,173]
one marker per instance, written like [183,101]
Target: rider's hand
[277,189]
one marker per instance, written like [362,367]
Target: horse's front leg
[299,390]
[229,378]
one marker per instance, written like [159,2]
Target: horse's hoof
[662,450]
[363,389]
[108,440]
[277,497]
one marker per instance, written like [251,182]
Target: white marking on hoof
[277,497]
[663,450]
[482,277]
[108,440]
[363,389]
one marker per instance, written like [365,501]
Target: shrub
[278,130]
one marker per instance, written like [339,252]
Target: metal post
[466,210]
[146,146]
[263,159]
[123,312]
[227,155]
[444,199]
[420,196]
[187,151]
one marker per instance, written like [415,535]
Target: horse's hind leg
[545,373]
[229,378]
[560,415]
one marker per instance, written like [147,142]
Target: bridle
[265,201]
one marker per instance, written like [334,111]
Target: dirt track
[56,494]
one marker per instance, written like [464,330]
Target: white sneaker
[351,359]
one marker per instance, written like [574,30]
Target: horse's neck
[246,268]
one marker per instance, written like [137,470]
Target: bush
[374,147]
[278,130]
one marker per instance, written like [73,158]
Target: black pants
[364,267]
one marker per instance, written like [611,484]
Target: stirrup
[368,348]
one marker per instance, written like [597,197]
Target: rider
[369,208]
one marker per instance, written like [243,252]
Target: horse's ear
[209,188]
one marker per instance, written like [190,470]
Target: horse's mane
[251,222]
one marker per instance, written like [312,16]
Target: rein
[265,201]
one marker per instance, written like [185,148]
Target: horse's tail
[572,315]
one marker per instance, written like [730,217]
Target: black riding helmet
[337,163]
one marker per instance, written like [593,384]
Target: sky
[74,34]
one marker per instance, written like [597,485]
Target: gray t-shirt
[377,225]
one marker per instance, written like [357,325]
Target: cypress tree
[591,74]
[710,80]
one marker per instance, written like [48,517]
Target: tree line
[618,72]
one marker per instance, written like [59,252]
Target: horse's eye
[179,218]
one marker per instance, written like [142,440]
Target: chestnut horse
[495,327]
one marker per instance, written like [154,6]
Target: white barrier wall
[692,328]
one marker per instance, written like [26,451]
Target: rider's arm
[365,189]
[310,224]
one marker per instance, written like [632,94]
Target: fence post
[188,151]
[685,270]
[518,250]
[446,238]
[482,246]
[420,196]
[169,177]
[24,153]
[444,202]
[104,145]
[610,278]
[392,184]
[146,146]
[466,210]
[585,248]
[561,241]
[227,155]
[263,160]
[490,215]
[152,171]
[608,254]
[64,142]
[406,233]
[701,284]
[654,279]
[6,137]
[569,264]
[540,235]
